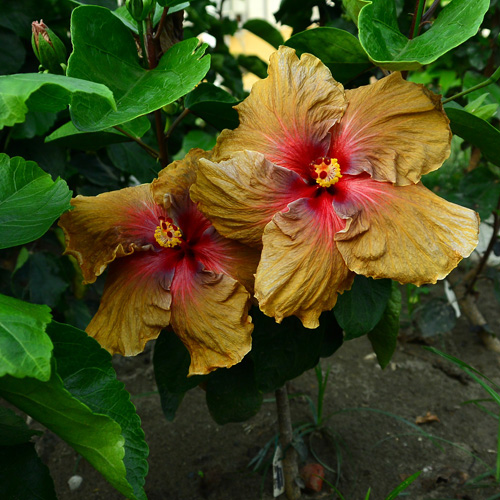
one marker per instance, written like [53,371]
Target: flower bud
[48,48]
[140,9]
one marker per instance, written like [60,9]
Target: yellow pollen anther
[326,171]
[167,234]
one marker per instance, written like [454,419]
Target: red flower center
[325,171]
[167,234]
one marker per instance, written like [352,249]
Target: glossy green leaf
[49,93]
[380,36]
[338,49]
[25,349]
[171,362]
[360,309]
[87,373]
[353,8]
[96,437]
[214,105]
[69,136]
[30,201]
[13,429]
[23,476]
[232,394]
[281,352]
[105,52]
[384,336]
[123,14]
[475,130]
[266,31]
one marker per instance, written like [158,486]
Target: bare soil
[194,458]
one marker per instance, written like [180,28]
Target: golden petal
[136,303]
[394,130]
[301,271]
[176,178]
[241,195]
[101,228]
[288,115]
[210,316]
[405,233]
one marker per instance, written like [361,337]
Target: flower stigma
[167,234]
[326,171]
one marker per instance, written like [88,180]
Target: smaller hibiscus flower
[168,266]
[327,183]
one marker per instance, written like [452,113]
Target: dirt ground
[193,458]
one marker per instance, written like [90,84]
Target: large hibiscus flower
[327,182]
[167,266]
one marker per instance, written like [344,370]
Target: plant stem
[152,62]
[161,24]
[140,29]
[155,154]
[492,79]
[417,17]
[176,122]
[487,252]
[290,466]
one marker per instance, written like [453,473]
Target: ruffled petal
[405,233]
[210,316]
[288,115]
[110,225]
[136,302]
[394,130]
[301,271]
[241,195]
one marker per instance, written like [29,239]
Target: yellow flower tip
[167,234]
[326,171]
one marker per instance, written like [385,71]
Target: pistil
[325,171]
[167,234]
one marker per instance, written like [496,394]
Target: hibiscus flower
[167,266]
[327,182]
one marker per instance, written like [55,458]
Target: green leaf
[281,352]
[266,31]
[132,159]
[472,79]
[36,123]
[380,36]
[49,93]
[171,362]
[475,130]
[384,336]
[214,105]
[13,429]
[360,309]
[480,191]
[69,136]
[25,349]
[11,60]
[253,64]
[86,371]
[338,49]
[195,139]
[96,437]
[23,476]
[232,394]
[46,282]
[124,16]
[353,8]
[105,52]
[30,201]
